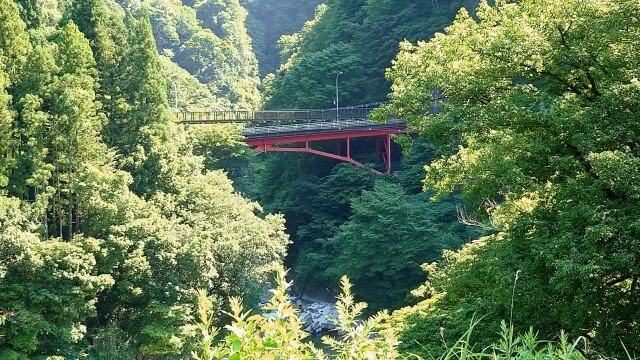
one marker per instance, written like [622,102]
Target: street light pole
[337,98]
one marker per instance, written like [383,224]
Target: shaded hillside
[358,38]
[270,19]
[208,39]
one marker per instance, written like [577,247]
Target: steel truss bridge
[295,130]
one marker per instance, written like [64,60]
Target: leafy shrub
[278,334]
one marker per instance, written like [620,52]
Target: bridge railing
[244,116]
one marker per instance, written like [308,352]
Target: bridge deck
[267,131]
[312,127]
[267,124]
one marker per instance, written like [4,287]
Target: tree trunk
[70,209]
[46,224]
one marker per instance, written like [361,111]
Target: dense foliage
[207,52]
[122,236]
[346,220]
[539,131]
[270,19]
[356,37]
[277,334]
[109,223]
[381,250]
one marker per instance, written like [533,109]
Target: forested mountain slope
[513,210]
[358,38]
[318,198]
[540,132]
[109,224]
[538,136]
[377,229]
[208,39]
[270,19]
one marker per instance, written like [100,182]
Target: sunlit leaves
[277,334]
[537,131]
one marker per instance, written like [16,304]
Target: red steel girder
[316,152]
[321,136]
[267,144]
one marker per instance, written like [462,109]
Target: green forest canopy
[268,20]
[356,37]
[206,52]
[110,224]
[542,116]
[120,239]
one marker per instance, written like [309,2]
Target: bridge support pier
[388,157]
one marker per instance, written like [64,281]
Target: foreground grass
[280,336]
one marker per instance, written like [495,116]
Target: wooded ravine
[501,221]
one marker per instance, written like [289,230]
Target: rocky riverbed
[317,316]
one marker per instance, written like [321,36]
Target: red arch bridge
[296,130]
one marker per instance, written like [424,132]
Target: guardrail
[242,116]
[265,123]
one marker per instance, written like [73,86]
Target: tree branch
[617,281]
